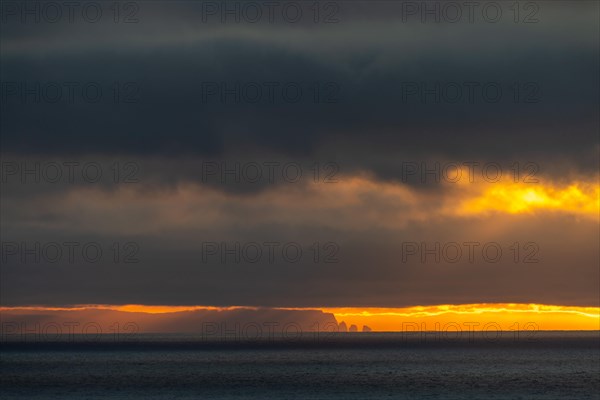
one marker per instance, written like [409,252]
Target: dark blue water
[551,366]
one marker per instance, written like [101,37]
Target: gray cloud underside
[368,55]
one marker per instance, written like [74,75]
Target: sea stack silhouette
[342,327]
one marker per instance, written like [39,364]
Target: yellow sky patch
[577,198]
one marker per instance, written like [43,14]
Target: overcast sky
[326,151]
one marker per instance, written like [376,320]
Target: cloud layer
[377,110]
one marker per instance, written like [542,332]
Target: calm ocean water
[552,365]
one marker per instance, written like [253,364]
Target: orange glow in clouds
[515,198]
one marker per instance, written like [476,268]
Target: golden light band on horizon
[506,316]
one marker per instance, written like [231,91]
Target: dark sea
[551,365]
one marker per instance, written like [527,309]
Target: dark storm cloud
[366,68]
